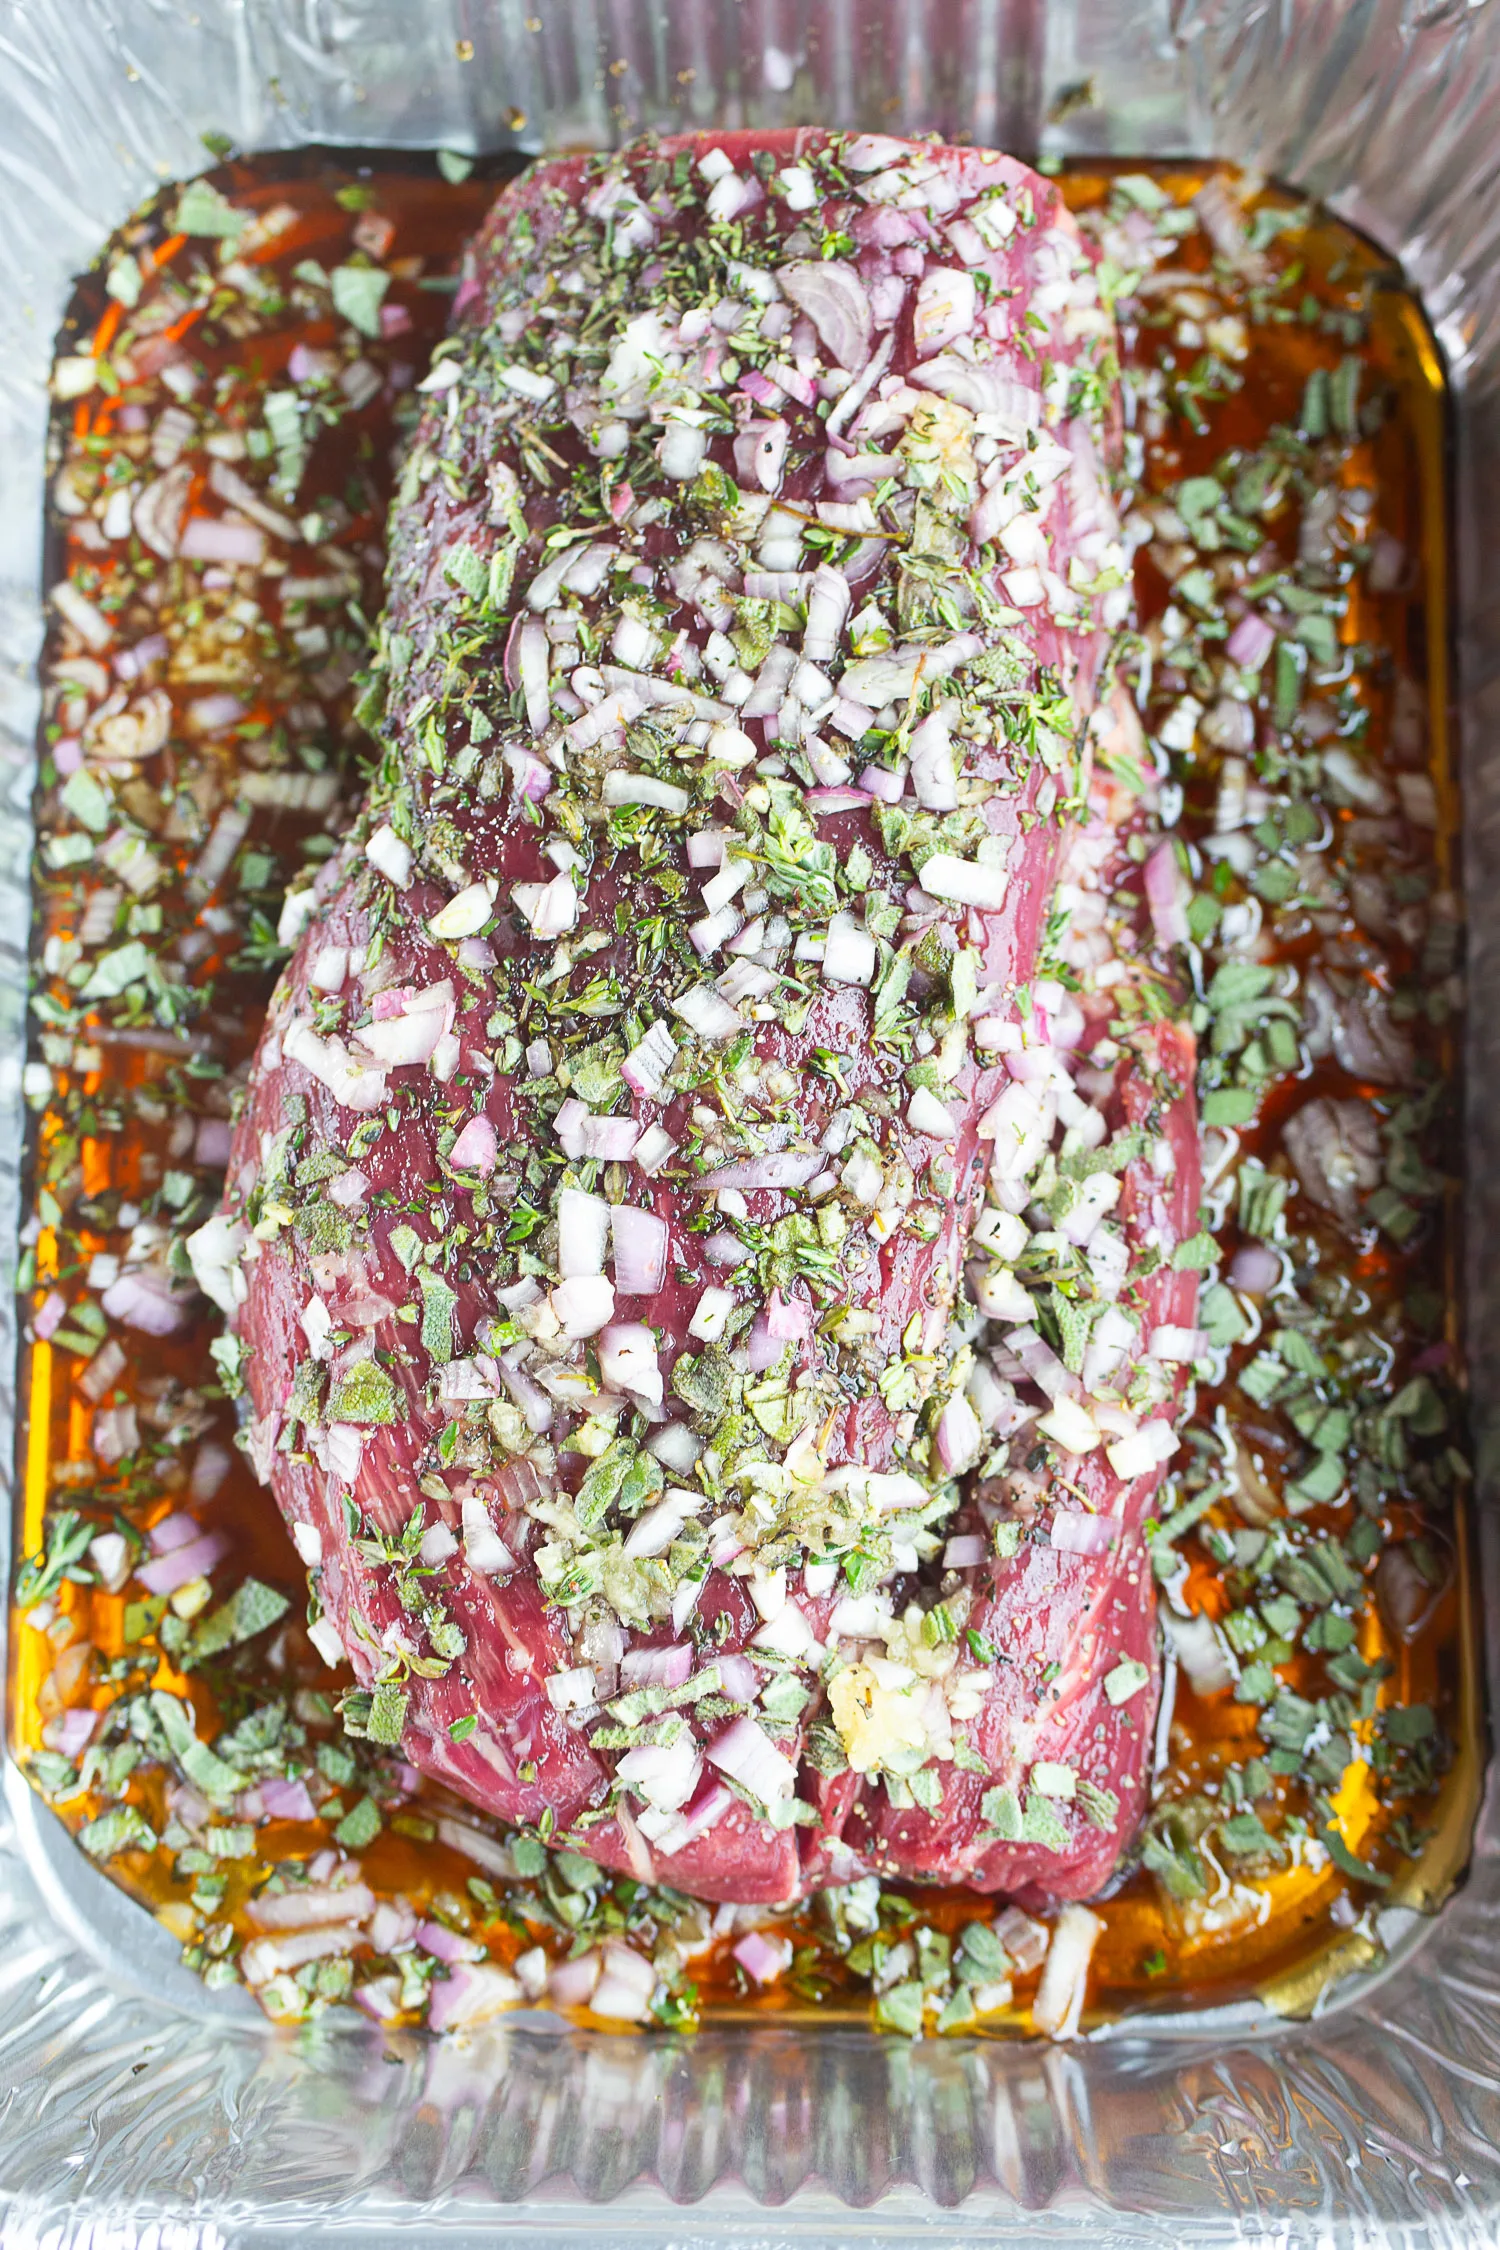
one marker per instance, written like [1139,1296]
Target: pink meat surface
[596,1248]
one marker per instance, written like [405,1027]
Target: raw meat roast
[694,1046]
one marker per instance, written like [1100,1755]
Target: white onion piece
[572,1690]
[1167,893]
[999,1295]
[437,1544]
[714,930]
[353,1082]
[329,970]
[143,1298]
[624,1990]
[401,1040]
[1069,1425]
[675,1446]
[530,779]
[572,1983]
[1148,1448]
[1020,1125]
[653,1533]
[1175,1346]
[760,452]
[608,715]
[532,667]
[611,1140]
[723,886]
[746,980]
[666,1775]
[1073,1531]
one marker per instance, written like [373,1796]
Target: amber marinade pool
[231,388]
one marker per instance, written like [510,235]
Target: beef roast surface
[684,1053]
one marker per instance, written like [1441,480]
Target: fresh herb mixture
[201,737]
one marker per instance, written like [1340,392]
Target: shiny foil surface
[134,2107]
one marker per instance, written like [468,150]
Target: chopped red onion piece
[549,908]
[747,1755]
[1075,1532]
[707,1012]
[476,1149]
[611,1140]
[960,1439]
[849,956]
[641,1242]
[965,882]
[738,1676]
[183,1564]
[311,1905]
[763,1958]
[827,607]
[881,782]
[933,777]
[1059,2001]
[144,1298]
[658,1667]
[582,1232]
[386,851]
[837,303]
[1255,1269]
[1167,894]
[1251,642]
[784,1168]
[216,539]
[646,1066]
[644,789]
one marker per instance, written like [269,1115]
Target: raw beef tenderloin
[597,1218]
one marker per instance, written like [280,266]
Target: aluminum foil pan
[134,2108]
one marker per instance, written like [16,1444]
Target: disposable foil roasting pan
[133,2106]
